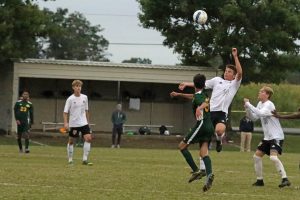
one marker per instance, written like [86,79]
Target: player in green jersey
[23,111]
[201,133]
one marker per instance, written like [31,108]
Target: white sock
[219,138]
[70,150]
[279,166]
[86,150]
[258,167]
[202,165]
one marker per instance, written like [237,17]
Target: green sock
[207,163]
[189,159]
[26,143]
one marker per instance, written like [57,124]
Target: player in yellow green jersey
[201,133]
[23,111]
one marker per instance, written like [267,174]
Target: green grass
[137,173]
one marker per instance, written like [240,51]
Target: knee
[256,158]
[274,158]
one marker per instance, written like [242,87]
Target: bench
[135,127]
[54,125]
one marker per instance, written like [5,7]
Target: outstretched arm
[185,84]
[291,116]
[183,95]
[238,66]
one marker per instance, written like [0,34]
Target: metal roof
[110,64]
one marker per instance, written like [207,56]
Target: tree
[138,60]
[21,23]
[264,31]
[72,37]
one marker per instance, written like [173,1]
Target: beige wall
[100,112]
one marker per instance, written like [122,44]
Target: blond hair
[268,90]
[77,82]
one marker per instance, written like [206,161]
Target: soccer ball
[200,17]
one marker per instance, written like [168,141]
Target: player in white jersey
[273,135]
[76,119]
[223,91]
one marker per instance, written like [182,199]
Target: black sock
[20,144]
[26,143]
[189,159]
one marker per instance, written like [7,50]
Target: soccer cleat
[85,162]
[112,146]
[197,175]
[20,150]
[118,146]
[258,183]
[70,162]
[208,183]
[27,151]
[218,145]
[284,182]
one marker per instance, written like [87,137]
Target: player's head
[76,85]
[265,93]
[230,72]
[25,95]
[119,107]
[199,81]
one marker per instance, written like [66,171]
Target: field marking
[146,191]
[35,142]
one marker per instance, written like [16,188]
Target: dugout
[106,84]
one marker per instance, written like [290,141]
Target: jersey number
[23,109]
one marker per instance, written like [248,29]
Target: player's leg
[70,149]
[87,144]
[26,137]
[220,129]
[208,166]
[19,139]
[276,149]
[257,157]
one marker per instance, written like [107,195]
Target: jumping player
[201,133]
[76,119]
[223,91]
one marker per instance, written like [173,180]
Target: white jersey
[270,124]
[223,92]
[77,107]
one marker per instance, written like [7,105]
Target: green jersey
[24,112]
[199,98]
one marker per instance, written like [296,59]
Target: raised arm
[238,66]
[183,95]
[290,116]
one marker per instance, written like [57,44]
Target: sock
[26,144]
[279,166]
[207,163]
[202,165]
[258,167]
[219,138]
[20,144]
[86,150]
[189,159]
[70,149]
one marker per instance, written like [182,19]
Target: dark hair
[231,67]
[199,81]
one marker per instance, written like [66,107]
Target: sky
[121,25]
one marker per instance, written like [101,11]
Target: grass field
[136,173]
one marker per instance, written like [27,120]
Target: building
[106,84]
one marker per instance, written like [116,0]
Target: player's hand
[66,126]
[198,113]
[18,122]
[234,52]
[246,100]
[174,94]
[182,86]
[275,114]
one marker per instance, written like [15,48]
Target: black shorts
[74,131]
[218,117]
[267,145]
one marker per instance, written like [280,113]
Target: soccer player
[23,111]
[201,133]
[273,135]
[76,119]
[118,118]
[223,91]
